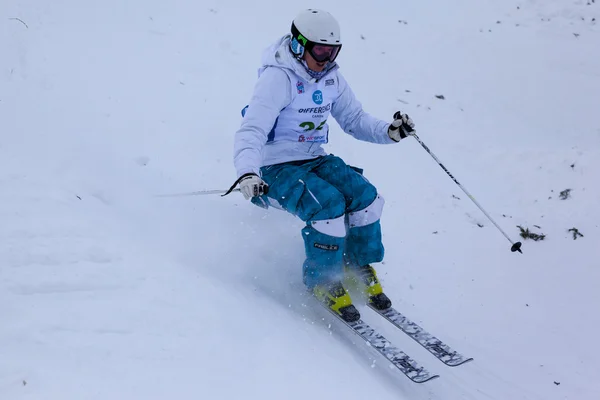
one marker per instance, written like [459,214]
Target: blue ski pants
[341,210]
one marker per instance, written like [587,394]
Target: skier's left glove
[402,126]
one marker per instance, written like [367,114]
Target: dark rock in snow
[576,233]
[565,194]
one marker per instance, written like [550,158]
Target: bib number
[313,137]
[309,126]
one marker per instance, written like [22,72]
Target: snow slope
[107,292]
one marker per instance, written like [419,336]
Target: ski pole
[198,193]
[515,246]
[205,192]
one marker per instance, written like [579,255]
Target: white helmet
[318,28]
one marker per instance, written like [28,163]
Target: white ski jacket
[286,119]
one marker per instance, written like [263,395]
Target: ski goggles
[323,52]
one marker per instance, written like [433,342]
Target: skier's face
[313,64]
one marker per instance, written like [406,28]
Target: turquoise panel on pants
[322,189]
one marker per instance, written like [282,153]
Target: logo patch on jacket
[318,97]
[300,87]
[313,139]
[329,82]
[329,247]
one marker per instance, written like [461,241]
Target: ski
[394,355]
[439,349]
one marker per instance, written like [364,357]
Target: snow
[108,292]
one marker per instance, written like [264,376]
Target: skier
[280,162]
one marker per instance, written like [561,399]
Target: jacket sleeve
[272,93]
[348,112]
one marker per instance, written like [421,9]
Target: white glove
[401,127]
[252,186]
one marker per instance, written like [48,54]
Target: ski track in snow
[109,292]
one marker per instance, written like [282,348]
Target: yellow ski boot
[365,280]
[336,297]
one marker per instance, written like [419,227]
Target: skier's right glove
[401,127]
[252,186]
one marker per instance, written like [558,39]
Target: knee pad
[335,227]
[368,215]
